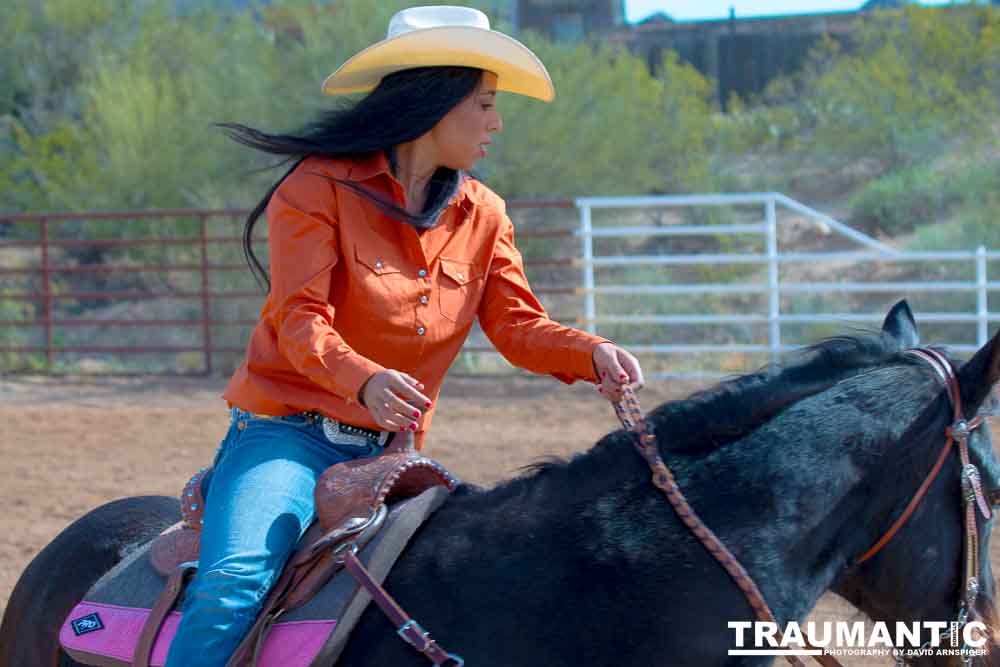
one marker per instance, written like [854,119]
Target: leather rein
[959,431]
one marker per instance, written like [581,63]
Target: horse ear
[899,324]
[979,374]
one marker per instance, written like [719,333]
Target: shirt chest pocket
[381,278]
[461,287]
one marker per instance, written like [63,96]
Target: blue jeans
[260,502]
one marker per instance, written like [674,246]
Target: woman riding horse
[383,251]
[802,471]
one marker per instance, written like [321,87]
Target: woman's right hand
[394,400]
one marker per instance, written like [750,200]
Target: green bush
[975,224]
[901,201]
[137,108]
[613,128]
[914,83]
[904,200]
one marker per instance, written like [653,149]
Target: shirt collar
[370,165]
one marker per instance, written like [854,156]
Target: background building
[569,20]
[740,54]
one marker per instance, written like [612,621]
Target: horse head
[936,568]
[804,470]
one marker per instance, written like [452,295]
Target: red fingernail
[413,427]
[416,415]
[427,404]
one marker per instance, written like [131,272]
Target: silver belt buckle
[335,434]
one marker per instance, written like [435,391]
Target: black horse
[798,469]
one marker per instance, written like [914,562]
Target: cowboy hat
[444,35]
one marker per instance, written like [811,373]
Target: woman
[383,252]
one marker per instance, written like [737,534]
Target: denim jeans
[259,503]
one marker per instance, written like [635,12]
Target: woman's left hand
[616,367]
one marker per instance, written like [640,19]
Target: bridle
[958,432]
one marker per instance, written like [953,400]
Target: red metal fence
[57,269]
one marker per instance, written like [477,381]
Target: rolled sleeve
[304,250]
[518,326]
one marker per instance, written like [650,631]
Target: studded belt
[335,431]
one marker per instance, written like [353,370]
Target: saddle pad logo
[88,623]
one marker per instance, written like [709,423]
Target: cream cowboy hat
[444,35]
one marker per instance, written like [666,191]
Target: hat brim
[518,70]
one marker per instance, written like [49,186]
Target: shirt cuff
[353,376]
[581,348]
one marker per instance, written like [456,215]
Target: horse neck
[793,499]
[596,532]
[595,525]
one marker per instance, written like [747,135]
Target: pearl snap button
[460,276]
[378,263]
[423,298]
[422,273]
[421,330]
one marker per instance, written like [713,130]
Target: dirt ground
[68,445]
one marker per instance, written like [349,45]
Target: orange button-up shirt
[354,292]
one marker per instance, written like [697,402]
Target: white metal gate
[867,250]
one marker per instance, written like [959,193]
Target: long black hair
[404,106]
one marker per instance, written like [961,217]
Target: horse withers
[798,469]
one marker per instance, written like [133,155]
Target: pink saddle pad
[104,628]
[109,633]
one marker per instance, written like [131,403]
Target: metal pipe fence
[594,264]
[49,279]
[771,261]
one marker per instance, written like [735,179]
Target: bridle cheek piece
[959,431]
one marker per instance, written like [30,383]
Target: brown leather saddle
[351,505]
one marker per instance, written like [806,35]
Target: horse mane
[724,413]
[734,408]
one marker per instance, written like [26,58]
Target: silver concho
[340,436]
[970,480]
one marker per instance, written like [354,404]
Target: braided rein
[630,415]
[973,498]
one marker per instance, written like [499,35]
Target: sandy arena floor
[69,445]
